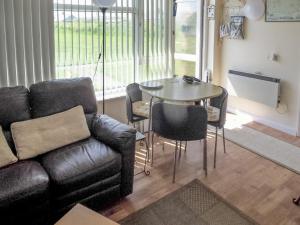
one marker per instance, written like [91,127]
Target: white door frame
[298,122]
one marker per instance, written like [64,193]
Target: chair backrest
[220,102]
[133,94]
[179,122]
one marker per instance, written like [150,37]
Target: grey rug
[194,204]
[271,148]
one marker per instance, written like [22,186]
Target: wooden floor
[258,187]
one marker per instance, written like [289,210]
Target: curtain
[26,42]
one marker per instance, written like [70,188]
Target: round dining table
[178,91]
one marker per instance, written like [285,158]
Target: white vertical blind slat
[28,39]
[3,61]
[36,28]
[26,42]
[10,44]
[19,42]
[50,9]
[45,40]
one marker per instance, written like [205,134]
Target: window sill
[110,95]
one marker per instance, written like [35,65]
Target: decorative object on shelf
[103,5]
[254,9]
[282,11]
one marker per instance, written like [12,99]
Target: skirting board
[269,123]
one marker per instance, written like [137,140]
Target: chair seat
[141,108]
[80,165]
[213,114]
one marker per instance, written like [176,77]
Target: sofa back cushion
[14,105]
[38,136]
[50,97]
[6,155]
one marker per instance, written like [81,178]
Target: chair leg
[180,145]
[175,162]
[152,143]
[185,147]
[205,156]
[224,140]
[149,119]
[146,159]
[216,145]
[148,150]
[143,126]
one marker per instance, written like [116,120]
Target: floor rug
[271,148]
[193,204]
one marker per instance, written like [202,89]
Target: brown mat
[193,204]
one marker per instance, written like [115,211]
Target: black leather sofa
[93,172]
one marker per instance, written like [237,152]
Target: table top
[176,89]
[81,215]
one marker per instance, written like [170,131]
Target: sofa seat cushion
[80,165]
[24,184]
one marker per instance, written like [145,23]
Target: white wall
[115,108]
[251,55]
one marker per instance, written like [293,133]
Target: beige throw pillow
[38,136]
[6,155]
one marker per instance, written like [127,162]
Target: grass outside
[79,44]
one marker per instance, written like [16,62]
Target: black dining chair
[217,110]
[137,109]
[180,123]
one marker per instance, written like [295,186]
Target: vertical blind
[155,31]
[47,39]
[137,41]
[26,42]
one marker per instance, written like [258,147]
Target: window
[78,39]
[187,41]
[137,41]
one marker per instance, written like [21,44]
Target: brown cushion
[38,136]
[6,155]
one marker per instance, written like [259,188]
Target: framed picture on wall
[282,10]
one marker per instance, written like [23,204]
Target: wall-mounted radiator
[262,89]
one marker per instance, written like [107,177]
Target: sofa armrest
[121,138]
